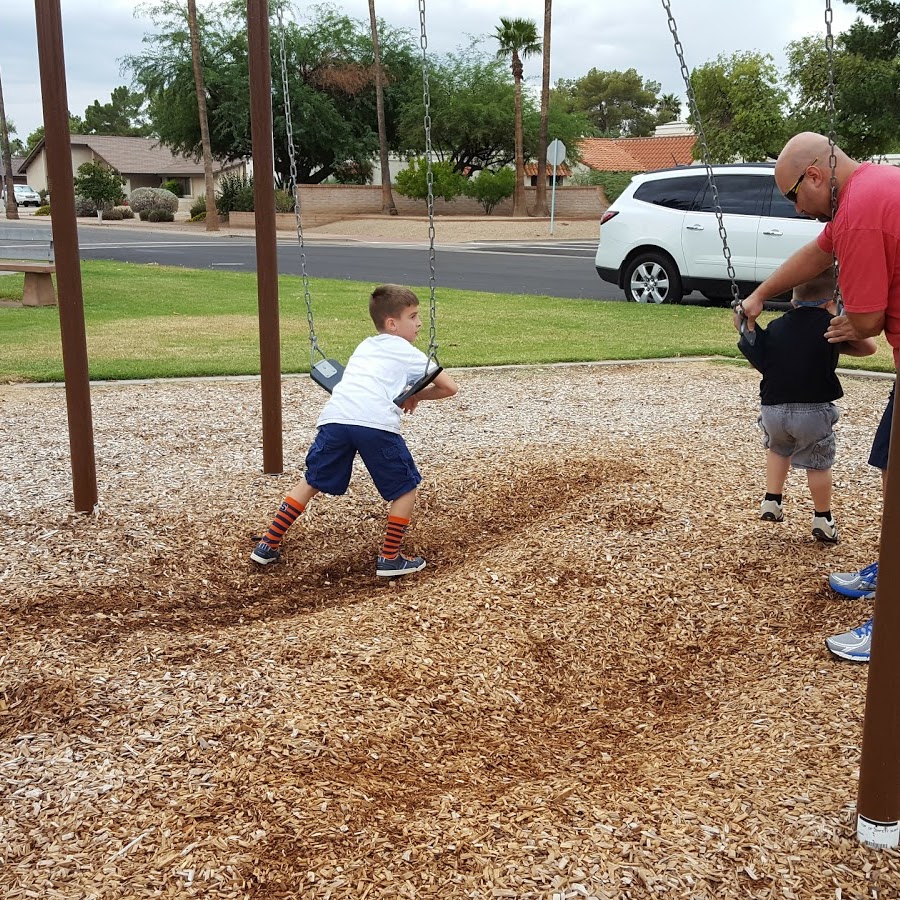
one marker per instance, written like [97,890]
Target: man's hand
[841,330]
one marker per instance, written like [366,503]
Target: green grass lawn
[153,321]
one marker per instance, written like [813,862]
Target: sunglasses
[791,195]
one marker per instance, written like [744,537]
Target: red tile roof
[636,154]
[561,170]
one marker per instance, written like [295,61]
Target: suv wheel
[652,278]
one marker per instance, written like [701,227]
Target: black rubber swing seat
[417,386]
[327,373]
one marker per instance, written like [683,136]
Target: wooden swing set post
[68,261]
[266,245]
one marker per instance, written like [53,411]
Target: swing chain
[704,146]
[429,180]
[832,156]
[292,155]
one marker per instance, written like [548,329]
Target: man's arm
[807,262]
[855,327]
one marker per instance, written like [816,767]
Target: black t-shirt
[796,362]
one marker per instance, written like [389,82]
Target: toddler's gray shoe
[771,511]
[854,645]
[824,530]
[400,565]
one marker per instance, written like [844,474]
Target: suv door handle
[775,232]
[694,227]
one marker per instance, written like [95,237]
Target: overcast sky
[615,34]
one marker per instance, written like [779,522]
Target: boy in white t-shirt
[361,417]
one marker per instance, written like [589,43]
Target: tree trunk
[387,196]
[540,206]
[12,210]
[212,214]
[519,202]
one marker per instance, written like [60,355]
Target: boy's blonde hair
[819,288]
[388,301]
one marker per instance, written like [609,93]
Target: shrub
[491,188]
[42,210]
[235,194]
[144,214]
[145,199]
[100,183]
[160,215]
[354,172]
[126,211]
[114,214]
[43,194]
[413,182]
[84,206]
[200,217]
[173,185]
[198,206]
[284,201]
[613,183]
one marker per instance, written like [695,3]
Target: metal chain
[429,180]
[832,156]
[292,155]
[704,147]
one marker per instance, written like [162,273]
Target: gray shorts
[802,431]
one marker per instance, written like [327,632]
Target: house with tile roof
[14,164]
[142,162]
[643,154]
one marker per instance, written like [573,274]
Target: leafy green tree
[76,126]
[491,188]
[472,114]
[413,181]
[618,104]
[330,79]
[867,82]
[742,107]
[518,39]
[123,115]
[99,183]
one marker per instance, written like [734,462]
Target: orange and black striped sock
[396,528]
[284,518]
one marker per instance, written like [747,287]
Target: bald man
[865,236]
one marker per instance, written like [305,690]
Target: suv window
[673,193]
[781,207]
[738,194]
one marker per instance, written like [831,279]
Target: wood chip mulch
[609,682]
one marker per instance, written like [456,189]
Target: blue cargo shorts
[329,463]
[804,432]
[882,441]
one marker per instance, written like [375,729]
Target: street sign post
[556,154]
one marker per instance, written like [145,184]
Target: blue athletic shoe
[401,565]
[264,554]
[854,645]
[855,584]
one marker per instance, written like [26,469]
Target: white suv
[25,195]
[660,239]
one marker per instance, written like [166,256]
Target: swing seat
[417,386]
[327,373]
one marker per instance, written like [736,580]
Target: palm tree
[518,39]
[387,197]
[212,213]
[540,203]
[12,210]
[668,109]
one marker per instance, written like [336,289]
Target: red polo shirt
[865,237]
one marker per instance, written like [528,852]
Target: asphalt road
[550,268]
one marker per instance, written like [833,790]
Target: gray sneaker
[855,584]
[824,530]
[771,511]
[854,645]
[400,565]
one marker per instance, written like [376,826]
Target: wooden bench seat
[29,250]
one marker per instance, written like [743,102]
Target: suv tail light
[609,214]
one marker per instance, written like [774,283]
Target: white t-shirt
[380,368]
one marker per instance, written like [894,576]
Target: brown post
[65,244]
[878,801]
[266,246]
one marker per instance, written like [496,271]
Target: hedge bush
[198,206]
[84,206]
[143,200]
[42,210]
[160,215]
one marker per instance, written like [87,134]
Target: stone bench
[29,249]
